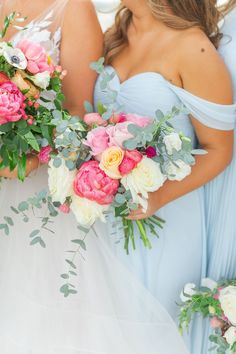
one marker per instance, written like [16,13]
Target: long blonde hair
[203,14]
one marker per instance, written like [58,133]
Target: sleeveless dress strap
[212,115]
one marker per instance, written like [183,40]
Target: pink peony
[130,161]
[93,184]
[64,208]
[138,120]
[44,154]
[11,103]
[97,140]
[151,152]
[118,134]
[36,56]
[216,323]
[94,119]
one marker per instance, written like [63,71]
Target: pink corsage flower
[93,184]
[11,103]
[38,61]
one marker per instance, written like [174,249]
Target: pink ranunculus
[11,103]
[64,208]
[44,154]
[216,323]
[97,140]
[36,56]
[151,152]
[94,119]
[93,184]
[118,134]
[130,161]
[139,120]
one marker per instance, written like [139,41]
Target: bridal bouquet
[216,302]
[30,92]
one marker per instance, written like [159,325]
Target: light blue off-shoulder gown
[179,256]
[221,192]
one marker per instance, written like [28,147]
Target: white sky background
[106,11]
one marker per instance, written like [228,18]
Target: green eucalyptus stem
[7,23]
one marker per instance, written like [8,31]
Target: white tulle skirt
[112,312]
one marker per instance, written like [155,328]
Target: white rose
[227,300]
[41,80]
[146,177]
[172,141]
[177,171]
[188,292]
[230,335]
[209,283]
[87,211]
[60,182]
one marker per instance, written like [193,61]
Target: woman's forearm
[206,168]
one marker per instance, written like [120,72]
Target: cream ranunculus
[230,335]
[172,142]
[146,177]
[41,80]
[111,160]
[177,171]
[60,182]
[227,300]
[87,211]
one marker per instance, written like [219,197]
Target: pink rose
[94,119]
[11,103]
[151,152]
[64,208]
[97,140]
[118,118]
[216,323]
[130,161]
[93,184]
[44,154]
[38,61]
[139,120]
[118,134]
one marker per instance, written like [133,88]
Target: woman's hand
[153,207]
[31,165]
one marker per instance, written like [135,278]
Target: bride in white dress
[34,316]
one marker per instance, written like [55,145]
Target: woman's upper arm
[82,43]
[205,75]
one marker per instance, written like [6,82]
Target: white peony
[87,211]
[177,171]
[172,142]
[227,300]
[15,57]
[230,335]
[60,182]
[146,177]
[41,80]
[209,283]
[187,292]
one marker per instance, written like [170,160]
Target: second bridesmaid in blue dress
[162,57]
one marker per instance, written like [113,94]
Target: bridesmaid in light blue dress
[221,192]
[144,86]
